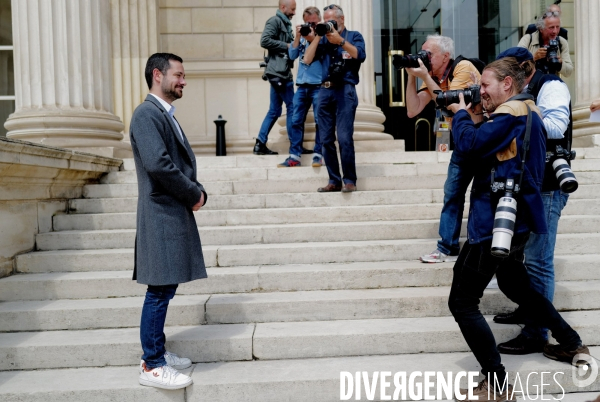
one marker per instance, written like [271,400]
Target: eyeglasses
[332,6]
[551,14]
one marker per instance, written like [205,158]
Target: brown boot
[483,393]
[557,352]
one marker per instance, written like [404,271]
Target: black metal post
[221,144]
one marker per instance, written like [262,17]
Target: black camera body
[305,29]
[471,95]
[552,59]
[326,27]
[560,165]
[336,71]
[412,60]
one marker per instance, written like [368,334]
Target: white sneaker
[165,377]
[438,256]
[178,363]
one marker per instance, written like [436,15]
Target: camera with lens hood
[560,165]
[412,60]
[552,61]
[471,95]
[326,27]
[505,217]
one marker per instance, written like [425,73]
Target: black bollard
[221,145]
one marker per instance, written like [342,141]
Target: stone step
[287,200]
[266,216]
[298,200]
[263,341]
[123,312]
[364,275]
[296,174]
[241,308]
[271,161]
[318,339]
[307,185]
[285,233]
[273,254]
[298,380]
[120,347]
[374,303]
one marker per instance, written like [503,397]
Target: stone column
[63,76]
[134,39]
[368,125]
[587,70]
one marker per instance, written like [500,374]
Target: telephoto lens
[566,179]
[326,27]
[504,222]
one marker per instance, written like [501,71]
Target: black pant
[473,271]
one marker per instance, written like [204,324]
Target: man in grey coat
[167,245]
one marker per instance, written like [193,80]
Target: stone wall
[35,183]
[219,41]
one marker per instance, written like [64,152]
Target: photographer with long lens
[308,82]
[440,71]
[508,153]
[554,101]
[343,54]
[550,51]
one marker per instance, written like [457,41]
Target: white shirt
[553,101]
[171,110]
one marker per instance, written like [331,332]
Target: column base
[94,132]
[585,134]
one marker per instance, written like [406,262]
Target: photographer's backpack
[479,65]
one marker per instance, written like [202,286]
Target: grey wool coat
[167,244]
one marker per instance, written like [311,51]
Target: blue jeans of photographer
[278,97]
[539,256]
[460,175]
[152,324]
[305,95]
[337,109]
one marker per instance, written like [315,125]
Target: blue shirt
[498,144]
[334,53]
[307,73]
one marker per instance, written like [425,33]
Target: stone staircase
[301,286]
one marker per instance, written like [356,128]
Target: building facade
[72,71]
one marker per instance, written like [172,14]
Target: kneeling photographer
[343,54]
[554,101]
[436,66]
[508,153]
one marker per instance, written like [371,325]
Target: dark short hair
[161,61]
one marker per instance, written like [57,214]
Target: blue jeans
[152,324]
[303,98]
[278,96]
[539,256]
[455,187]
[473,270]
[337,109]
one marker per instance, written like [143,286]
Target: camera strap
[526,140]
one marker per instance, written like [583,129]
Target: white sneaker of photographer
[165,377]
[178,363]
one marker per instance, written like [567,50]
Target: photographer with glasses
[550,51]
[551,10]
[343,54]
[444,73]
[308,82]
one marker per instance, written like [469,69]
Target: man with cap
[554,101]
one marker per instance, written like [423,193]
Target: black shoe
[516,317]
[261,149]
[306,151]
[522,345]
